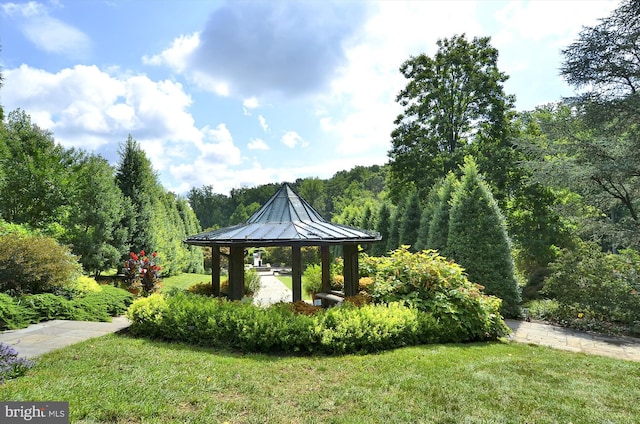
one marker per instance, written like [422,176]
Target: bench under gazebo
[285,219]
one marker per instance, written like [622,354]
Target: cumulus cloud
[292,48]
[292,139]
[91,109]
[45,32]
[257,144]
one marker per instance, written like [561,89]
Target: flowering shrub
[11,366]
[142,273]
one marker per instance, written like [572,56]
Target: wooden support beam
[326,268]
[236,273]
[215,270]
[351,275]
[296,273]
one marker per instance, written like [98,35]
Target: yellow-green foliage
[84,284]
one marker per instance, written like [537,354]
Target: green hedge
[211,322]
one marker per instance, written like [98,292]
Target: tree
[93,229]
[591,143]
[478,239]
[139,183]
[411,222]
[394,227]
[35,187]
[454,105]
[438,232]
[382,227]
[606,57]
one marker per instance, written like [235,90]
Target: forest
[550,196]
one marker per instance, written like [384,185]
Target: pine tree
[410,222]
[439,226]
[382,226]
[426,216]
[138,182]
[478,239]
[395,225]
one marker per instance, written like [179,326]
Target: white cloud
[292,139]
[47,33]
[90,109]
[257,144]
[249,104]
[263,123]
[177,55]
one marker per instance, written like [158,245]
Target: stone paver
[574,341]
[38,339]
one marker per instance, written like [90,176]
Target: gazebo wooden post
[351,277]
[296,272]
[215,270]
[236,272]
[326,269]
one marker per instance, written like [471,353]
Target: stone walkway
[574,341]
[38,339]
[271,291]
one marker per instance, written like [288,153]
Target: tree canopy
[454,105]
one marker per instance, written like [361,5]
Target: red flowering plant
[141,273]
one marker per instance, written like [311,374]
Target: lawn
[184,281]
[120,379]
[286,280]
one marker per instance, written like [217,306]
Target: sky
[242,93]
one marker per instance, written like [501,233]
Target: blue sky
[242,93]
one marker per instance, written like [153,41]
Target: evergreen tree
[139,183]
[195,261]
[94,229]
[410,221]
[478,239]
[426,216]
[394,228]
[439,225]
[382,226]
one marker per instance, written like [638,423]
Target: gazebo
[285,219]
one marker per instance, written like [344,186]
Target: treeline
[101,212]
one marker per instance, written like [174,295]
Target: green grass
[120,379]
[286,280]
[184,281]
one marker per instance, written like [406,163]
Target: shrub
[93,306]
[12,366]
[251,281]
[84,284]
[288,327]
[545,309]
[432,284]
[13,315]
[35,264]
[312,279]
[594,288]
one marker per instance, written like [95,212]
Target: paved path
[574,341]
[38,339]
[271,291]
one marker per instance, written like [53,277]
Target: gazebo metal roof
[285,219]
